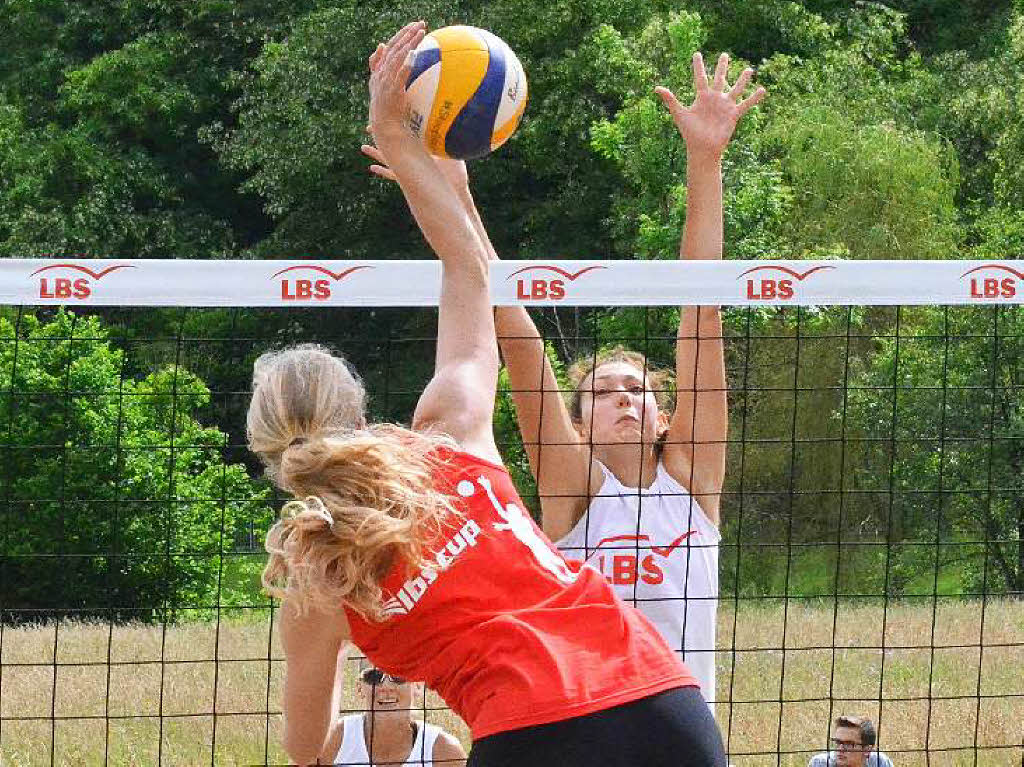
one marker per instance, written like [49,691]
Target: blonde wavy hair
[364,495]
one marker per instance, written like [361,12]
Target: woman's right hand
[453,171]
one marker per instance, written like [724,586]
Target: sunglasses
[846,745]
[374,676]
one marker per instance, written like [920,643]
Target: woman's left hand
[389,71]
[708,123]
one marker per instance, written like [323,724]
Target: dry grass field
[951,687]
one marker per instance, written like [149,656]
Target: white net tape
[127,282]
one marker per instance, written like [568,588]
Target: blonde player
[412,544]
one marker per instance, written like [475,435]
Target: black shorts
[671,728]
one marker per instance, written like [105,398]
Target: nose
[622,398]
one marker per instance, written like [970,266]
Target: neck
[632,467]
[388,733]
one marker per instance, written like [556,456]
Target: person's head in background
[387,699]
[853,740]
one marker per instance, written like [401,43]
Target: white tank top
[353,751]
[659,550]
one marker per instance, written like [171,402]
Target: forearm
[702,233]
[465,198]
[699,342]
[700,358]
[313,643]
[305,729]
[443,219]
[535,390]
[511,322]
[521,344]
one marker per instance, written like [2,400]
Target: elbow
[301,755]
[301,748]
[473,268]
[483,360]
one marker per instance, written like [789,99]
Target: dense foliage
[211,128]
[117,498]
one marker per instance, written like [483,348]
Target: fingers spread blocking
[700,75]
[721,69]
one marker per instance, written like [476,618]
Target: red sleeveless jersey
[508,632]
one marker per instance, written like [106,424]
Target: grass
[142,695]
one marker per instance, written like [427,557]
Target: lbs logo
[66,285]
[546,286]
[778,285]
[311,288]
[626,568]
[989,281]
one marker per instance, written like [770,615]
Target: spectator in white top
[386,733]
[853,741]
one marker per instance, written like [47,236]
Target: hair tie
[321,512]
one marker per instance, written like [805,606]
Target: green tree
[111,97]
[879,191]
[116,499]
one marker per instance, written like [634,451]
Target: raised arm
[561,463]
[459,399]
[695,449]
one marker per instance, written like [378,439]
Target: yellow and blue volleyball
[466,92]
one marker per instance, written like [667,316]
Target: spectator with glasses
[385,733]
[853,745]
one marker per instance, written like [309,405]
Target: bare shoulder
[448,751]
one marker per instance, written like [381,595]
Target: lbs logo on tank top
[516,521]
[624,568]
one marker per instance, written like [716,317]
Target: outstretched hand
[454,171]
[708,123]
[390,64]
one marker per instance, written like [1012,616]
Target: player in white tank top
[659,550]
[387,729]
[589,462]
[354,751]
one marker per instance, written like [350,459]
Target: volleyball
[467,92]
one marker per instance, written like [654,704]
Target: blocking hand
[708,123]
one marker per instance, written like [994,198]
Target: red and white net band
[127,282]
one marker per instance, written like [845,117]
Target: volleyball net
[872,519]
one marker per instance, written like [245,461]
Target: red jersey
[508,632]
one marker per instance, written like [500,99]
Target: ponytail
[362,502]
